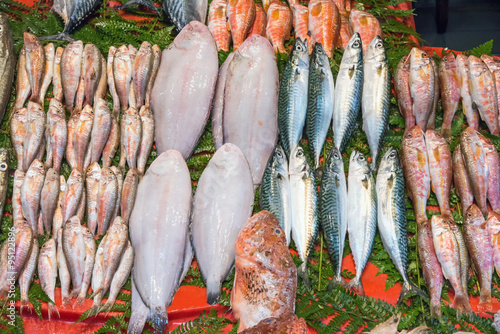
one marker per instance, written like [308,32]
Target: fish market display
[49,198]
[223,202]
[493,226]
[31,194]
[493,165]
[324,24]
[218,103]
[366,25]
[7,63]
[493,64]
[266,277]
[181,110]
[279,25]
[26,275]
[461,180]
[450,91]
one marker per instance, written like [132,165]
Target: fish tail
[159,318]
[336,280]
[461,304]
[484,301]
[213,292]
[24,303]
[96,292]
[410,289]
[318,172]
[106,307]
[79,300]
[446,132]
[59,37]
[436,310]
[356,285]
[303,274]
[53,310]
[66,300]
[146,3]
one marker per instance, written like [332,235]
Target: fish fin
[303,274]
[59,37]
[318,172]
[80,300]
[436,311]
[53,310]
[139,313]
[461,304]
[410,289]
[159,318]
[24,303]
[96,292]
[106,307]
[337,280]
[356,285]
[213,292]
[146,3]
[66,300]
[446,133]
[484,301]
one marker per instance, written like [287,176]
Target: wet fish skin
[101,128]
[324,24]
[474,158]
[111,80]
[279,26]
[64,275]
[131,133]
[119,173]
[218,103]
[56,78]
[142,72]
[22,249]
[421,86]
[285,324]
[35,131]
[275,191]
[129,192]
[4,177]
[74,251]
[23,87]
[185,12]
[50,53]
[493,166]
[17,210]
[91,71]
[156,52]
[402,89]
[346,32]
[81,139]
[71,70]
[375,96]
[102,87]
[222,202]
[98,277]
[366,25]
[463,80]
[477,239]
[461,180]
[71,127]
[260,22]
[493,64]
[35,64]
[493,226]
[147,138]
[107,197]
[49,197]
[80,211]
[92,190]
[7,63]
[122,72]
[300,15]
[450,91]
[47,272]
[26,275]
[347,95]
[320,102]
[18,129]
[57,131]
[241,15]
[333,212]
[292,101]
[90,250]
[31,193]
[218,24]
[72,195]
[112,143]
[431,123]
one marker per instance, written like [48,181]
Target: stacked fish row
[475,81]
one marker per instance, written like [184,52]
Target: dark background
[470,23]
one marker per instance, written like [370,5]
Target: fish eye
[445,59]
[408,135]
[392,155]
[355,44]
[424,55]
[361,158]
[299,47]
[278,153]
[380,44]
[336,155]
[469,214]
[300,154]
[277,231]
[3,166]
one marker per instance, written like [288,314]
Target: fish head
[56,107]
[145,112]
[354,47]
[469,135]
[358,163]
[4,159]
[132,173]
[440,224]
[48,248]
[493,62]
[21,224]
[164,161]
[473,216]
[419,58]
[20,114]
[476,66]
[319,57]
[192,34]
[227,157]
[75,176]
[132,50]
[486,142]
[279,161]
[31,41]
[404,63]
[87,234]
[390,162]
[119,226]
[156,51]
[36,168]
[376,50]
[5,36]
[414,137]
[299,56]
[448,61]
[74,223]
[145,47]
[34,108]
[122,54]
[434,138]
[107,175]
[335,162]
[117,172]
[58,55]
[94,170]
[87,114]
[52,175]
[462,61]
[19,178]
[74,49]
[298,161]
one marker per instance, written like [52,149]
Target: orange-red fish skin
[260,23]
[301,24]
[218,25]
[285,325]
[279,26]
[241,15]
[366,25]
[345,32]
[324,24]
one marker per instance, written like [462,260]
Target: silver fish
[23,88]
[71,68]
[64,275]
[57,78]
[35,132]
[57,132]
[72,195]
[74,252]
[218,103]
[17,209]
[92,186]
[7,63]
[50,53]
[100,129]
[148,130]
[31,194]
[186,11]
[26,276]
[18,128]
[122,73]
[49,197]
[90,250]
[47,272]
[129,192]
[106,199]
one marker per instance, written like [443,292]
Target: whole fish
[431,123]
[57,132]
[81,137]
[164,194]
[26,276]
[48,199]
[478,241]
[461,180]
[23,245]
[106,199]
[35,131]
[474,158]
[56,78]
[440,167]
[403,93]
[23,88]
[181,109]
[111,80]
[100,129]
[70,151]
[375,96]
[50,53]
[91,71]
[35,64]
[301,24]
[148,130]
[74,251]
[129,192]
[465,95]
[98,277]
[72,13]
[102,85]
[122,72]
[112,143]
[72,195]
[303,199]
[71,70]
[80,211]
[333,212]
[142,72]
[324,24]
[450,91]
[448,253]
[64,275]
[431,269]
[346,32]
[31,194]
[218,103]
[266,277]
[119,178]
[483,93]
[4,177]
[47,272]
[154,72]
[275,191]
[320,102]
[90,250]
[347,99]
[493,226]
[7,63]
[362,214]
[17,209]
[241,15]
[292,100]
[92,180]
[250,110]
[223,202]
[279,25]
[131,132]
[366,25]
[493,166]
[260,22]
[421,86]
[416,170]
[218,24]
[493,64]
[57,223]
[184,12]
[18,129]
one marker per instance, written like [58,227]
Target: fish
[346,32]
[31,194]
[98,277]
[64,275]
[111,80]
[333,212]
[102,85]
[57,223]
[35,64]
[324,24]
[185,12]
[17,210]
[23,87]
[74,251]
[92,180]
[143,66]
[223,202]
[187,102]
[218,24]
[287,324]
[461,180]
[375,96]
[279,25]
[80,211]
[421,86]
[4,177]
[260,22]
[70,151]
[493,64]
[301,24]
[493,166]
[320,102]
[493,226]
[148,130]
[18,129]
[347,95]
[416,170]
[57,132]
[50,53]
[122,73]
[275,191]
[465,95]
[448,253]
[56,77]
[119,178]
[154,72]
[26,275]
[112,143]
[431,268]
[7,63]
[73,13]
[241,15]
[450,91]
[403,93]
[106,199]
[132,103]
[90,250]
[483,93]
[35,131]
[71,70]
[72,195]
[440,167]
[91,71]
[147,3]
[47,272]
[292,99]
[431,123]
[474,158]
[478,242]
[131,132]
[303,199]
[361,216]
[250,110]
[101,127]
[129,192]
[218,103]
[167,181]
[49,198]
[266,277]
[366,25]
[82,134]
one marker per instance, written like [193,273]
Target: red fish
[260,23]
[366,25]
[218,25]
[241,14]
[279,25]
[324,24]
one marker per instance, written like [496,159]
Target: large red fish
[324,24]
[241,14]
[366,25]
[218,25]
[279,25]
[260,22]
